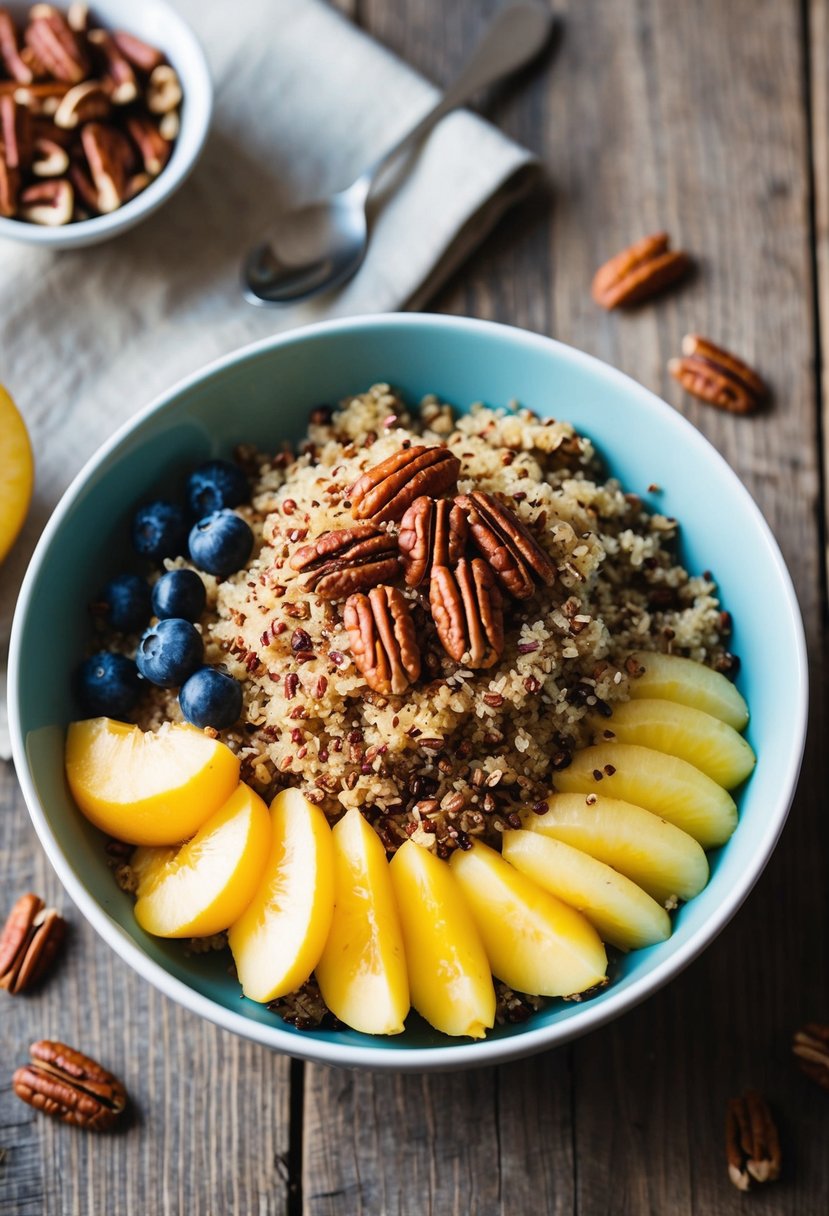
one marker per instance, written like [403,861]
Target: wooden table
[710,120]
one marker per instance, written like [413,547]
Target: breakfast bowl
[263,395]
[159,26]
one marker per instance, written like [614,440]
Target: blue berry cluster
[170,652]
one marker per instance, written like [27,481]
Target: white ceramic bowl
[159,24]
[263,394]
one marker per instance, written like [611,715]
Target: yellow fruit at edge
[662,859]
[673,678]
[449,977]
[708,743]
[362,972]
[17,472]
[534,942]
[621,912]
[157,787]
[666,785]
[207,884]
[278,939]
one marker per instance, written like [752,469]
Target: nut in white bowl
[181,94]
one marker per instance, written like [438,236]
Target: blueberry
[210,698]
[159,530]
[124,603]
[216,485]
[221,543]
[169,652]
[179,593]
[107,685]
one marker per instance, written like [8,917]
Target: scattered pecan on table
[716,376]
[384,492]
[70,1086]
[383,642]
[347,560]
[506,544]
[752,1144]
[433,532]
[811,1047]
[29,942]
[639,272]
[468,613]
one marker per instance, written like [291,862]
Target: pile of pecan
[88,117]
[469,550]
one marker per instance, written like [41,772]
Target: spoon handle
[514,36]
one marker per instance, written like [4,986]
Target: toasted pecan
[639,272]
[433,532]
[713,374]
[385,491]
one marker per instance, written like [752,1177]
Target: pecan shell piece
[56,44]
[346,560]
[385,492]
[716,376]
[383,642]
[29,942]
[811,1048]
[639,272]
[433,532]
[752,1144]
[70,1086]
[468,612]
[506,544]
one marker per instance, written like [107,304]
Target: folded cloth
[304,101]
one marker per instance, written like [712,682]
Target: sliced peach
[708,743]
[534,942]
[362,972]
[621,912]
[16,472]
[673,678]
[666,785]
[209,881]
[449,976]
[278,939]
[154,787]
[664,861]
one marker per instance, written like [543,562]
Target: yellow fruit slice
[157,787]
[662,859]
[278,939]
[362,972]
[621,912]
[534,942]
[708,743]
[209,881]
[17,472]
[666,785]
[672,678]
[449,977]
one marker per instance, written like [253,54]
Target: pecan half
[385,492]
[56,44]
[31,938]
[718,377]
[15,133]
[752,1144]
[119,77]
[432,533]
[507,544]
[347,560]
[382,636]
[140,54]
[152,146]
[10,55]
[110,159]
[49,203]
[468,612]
[639,272]
[811,1047]
[85,102]
[70,1086]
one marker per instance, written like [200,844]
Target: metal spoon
[320,245]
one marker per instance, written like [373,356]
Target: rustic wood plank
[209,1132]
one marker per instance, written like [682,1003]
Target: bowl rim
[195,123]
[481,1052]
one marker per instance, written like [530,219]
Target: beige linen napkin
[304,101]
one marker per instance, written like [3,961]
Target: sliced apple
[672,678]
[16,472]
[154,787]
[534,942]
[278,939]
[449,977]
[708,743]
[362,972]
[666,785]
[209,881]
[622,913]
[664,861]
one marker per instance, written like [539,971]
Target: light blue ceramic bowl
[263,394]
